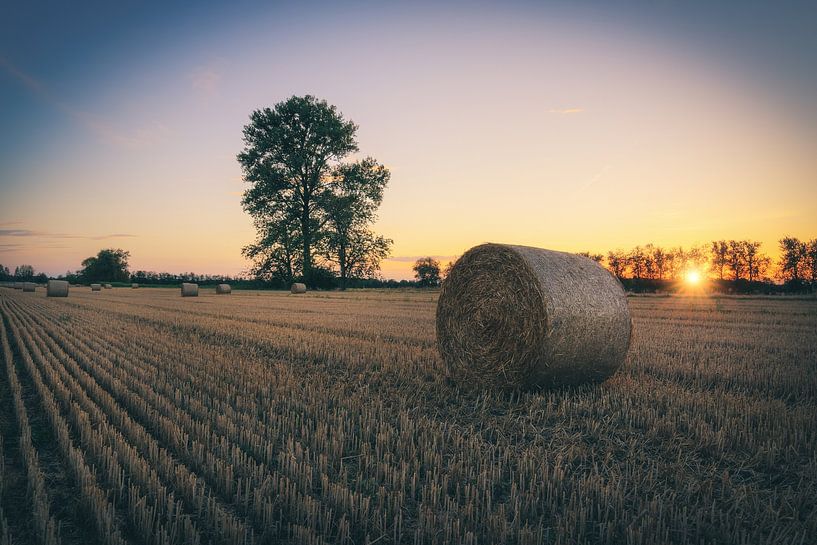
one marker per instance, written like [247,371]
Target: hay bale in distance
[57,288]
[224,289]
[190,290]
[107,286]
[519,317]
[17,285]
[298,287]
[134,286]
[29,287]
[96,287]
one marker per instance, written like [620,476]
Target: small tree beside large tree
[304,194]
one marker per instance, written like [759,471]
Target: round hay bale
[18,285]
[298,287]
[107,286]
[57,288]
[134,286]
[29,287]
[224,289]
[190,290]
[96,287]
[519,317]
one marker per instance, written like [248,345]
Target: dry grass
[262,418]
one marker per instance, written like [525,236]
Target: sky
[575,126]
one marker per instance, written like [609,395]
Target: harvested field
[326,418]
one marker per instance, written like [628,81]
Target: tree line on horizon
[736,265]
[724,260]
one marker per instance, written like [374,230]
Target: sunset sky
[571,126]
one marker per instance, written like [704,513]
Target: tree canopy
[427,272]
[109,265]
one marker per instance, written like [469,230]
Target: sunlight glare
[693,277]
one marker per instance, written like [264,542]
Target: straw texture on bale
[190,290]
[96,287]
[519,317]
[297,287]
[29,286]
[57,288]
[223,289]
[134,286]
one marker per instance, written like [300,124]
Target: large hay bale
[96,287]
[17,285]
[224,289]
[522,317]
[134,286]
[297,287]
[57,288]
[190,290]
[107,286]
[29,287]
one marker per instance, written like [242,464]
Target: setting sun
[693,277]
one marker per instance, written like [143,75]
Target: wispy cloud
[594,180]
[47,235]
[105,130]
[413,258]
[12,247]
[566,111]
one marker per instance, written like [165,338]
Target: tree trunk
[307,241]
[342,260]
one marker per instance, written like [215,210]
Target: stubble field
[137,416]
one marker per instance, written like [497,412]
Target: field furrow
[102,511]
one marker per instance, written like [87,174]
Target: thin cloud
[45,234]
[141,137]
[412,258]
[11,247]
[566,111]
[114,235]
[595,179]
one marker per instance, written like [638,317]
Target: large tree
[110,265]
[293,157]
